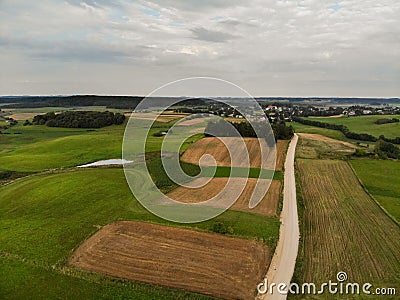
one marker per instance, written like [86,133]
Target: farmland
[46,216]
[365,124]
[382,181]
[219,151]
[267,207]
[316,146]
[149,253]
[37,148]
[334,134]
[343,228]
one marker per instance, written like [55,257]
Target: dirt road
[283,262]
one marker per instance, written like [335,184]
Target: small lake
[107,162]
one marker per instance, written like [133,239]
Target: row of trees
[386,150]
[79,119]
[222,128]
[347,133]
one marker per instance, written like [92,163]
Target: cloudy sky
[269,48]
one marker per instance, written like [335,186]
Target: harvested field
[319,146]
[216,148]
[281,147]
[23,116]
[344,229]
[211,264]
[266,207]
[151,115]
[192,122]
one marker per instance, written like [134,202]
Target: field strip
[283,262]
[267,207]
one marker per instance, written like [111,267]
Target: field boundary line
[372,197]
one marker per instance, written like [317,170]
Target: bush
[386,150]
[221,228]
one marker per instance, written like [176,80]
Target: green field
[334,134]
[37,148]
[382,180]
[365,124]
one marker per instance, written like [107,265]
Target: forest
[78,119]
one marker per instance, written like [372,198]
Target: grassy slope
[28,281]
[382,179]
[365,124]
[38,148]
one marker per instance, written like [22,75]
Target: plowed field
[224,267]
[216,148]
[267,206]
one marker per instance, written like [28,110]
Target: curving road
[283,262]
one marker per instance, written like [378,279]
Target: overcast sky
[269,48]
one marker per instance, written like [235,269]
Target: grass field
[334,134]
[37,148]
[382,180]
[45,217]
[343,228]
[365,124]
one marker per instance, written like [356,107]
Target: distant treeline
[222,128]
[119,102]
[79,119]
[345,130]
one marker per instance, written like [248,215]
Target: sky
[320,48]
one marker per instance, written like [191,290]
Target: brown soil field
[162,118]
[211,264]
[23,116]
[267,207]
[216,148]
[281,147]
[344,229]
[192,122]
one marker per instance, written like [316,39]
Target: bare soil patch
[23,116]
[281,147]
[211,264]
[267,207]
[216,148]
[191,122]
